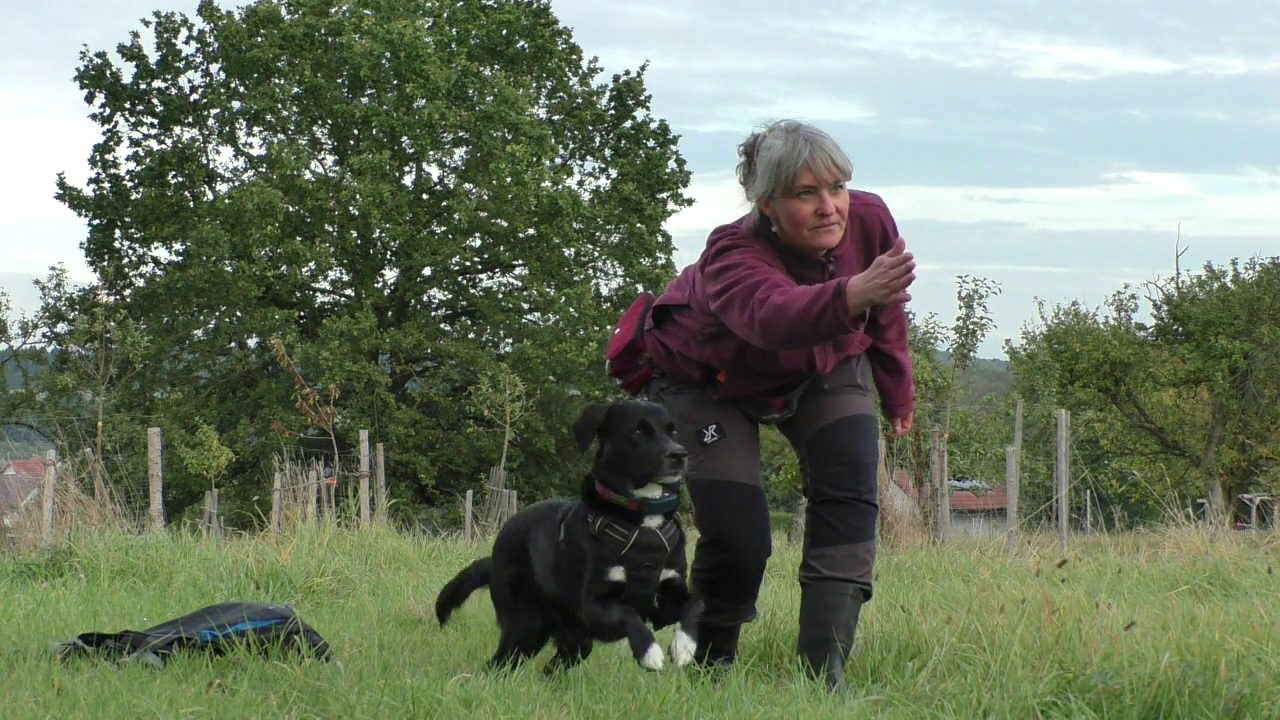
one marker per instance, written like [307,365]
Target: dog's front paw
[682,648]
[653,658]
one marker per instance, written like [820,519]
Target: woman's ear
[766,209]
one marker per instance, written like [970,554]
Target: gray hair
[772,158]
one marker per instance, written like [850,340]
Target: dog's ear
[588,424]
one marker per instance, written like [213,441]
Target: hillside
[11,369]
[987,376]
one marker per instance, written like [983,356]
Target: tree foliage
[1182,402]
[407,194]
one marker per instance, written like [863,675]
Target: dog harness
[642,551]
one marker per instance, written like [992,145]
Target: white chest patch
[617,574]
[652,491]
[652,521]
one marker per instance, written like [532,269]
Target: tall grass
[1180,623]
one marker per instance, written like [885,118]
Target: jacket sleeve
[748,288]
[890,352]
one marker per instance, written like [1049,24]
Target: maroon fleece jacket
[763,317]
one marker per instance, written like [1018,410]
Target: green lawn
[1159,626]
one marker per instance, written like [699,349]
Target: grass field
[1173,624]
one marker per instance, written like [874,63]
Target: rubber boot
[717,646]
[828,618]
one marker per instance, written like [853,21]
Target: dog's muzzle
[675,467]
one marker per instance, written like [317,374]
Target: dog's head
[636,445]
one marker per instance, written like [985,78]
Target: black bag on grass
[214,629]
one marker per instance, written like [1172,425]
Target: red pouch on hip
[625,358]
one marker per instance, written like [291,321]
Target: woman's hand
[885,282]
[901,426]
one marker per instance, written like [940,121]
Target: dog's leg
[514,649]
[523,636]
[609,614]
[677,605]
[571,649]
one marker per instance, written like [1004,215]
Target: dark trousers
[835,434]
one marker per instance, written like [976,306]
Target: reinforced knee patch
[842,458]
[734,545]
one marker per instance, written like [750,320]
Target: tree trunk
[1217,504]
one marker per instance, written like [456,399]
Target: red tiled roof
[18,479]
[30,468]
[972,502]
[962,500]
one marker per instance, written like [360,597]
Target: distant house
[20,482]
[977,509]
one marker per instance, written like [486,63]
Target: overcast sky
[1052,150]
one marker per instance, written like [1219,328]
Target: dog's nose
[677,453]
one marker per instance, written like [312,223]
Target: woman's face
[812,216]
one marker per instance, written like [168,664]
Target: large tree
[404,192]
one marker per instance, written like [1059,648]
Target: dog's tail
[456,591]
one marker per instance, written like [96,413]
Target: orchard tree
[404,192]
[940,355]
[1192,393]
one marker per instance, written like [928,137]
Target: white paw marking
[617,574]
[682,647]
[668,574]
[653,521]
[653,658]
[651,491]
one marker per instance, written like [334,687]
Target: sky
[1056,151]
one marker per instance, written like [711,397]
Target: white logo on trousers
[710,434]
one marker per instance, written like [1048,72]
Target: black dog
[598,568]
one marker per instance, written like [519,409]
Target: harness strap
[607,529]
[642,557]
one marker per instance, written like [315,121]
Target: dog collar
[648,506]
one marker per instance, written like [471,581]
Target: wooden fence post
[1017,432]
[155,477]
[312,482]
[277,502]
[364,479]
[212,518]
[1064,474]
[1011,494]
[468,518]
[795,534]
[50,474]
[380,481]
[938,472]
[1088,511]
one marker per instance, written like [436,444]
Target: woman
[789,317]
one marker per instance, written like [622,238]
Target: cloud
[1245,204]
[954,39]
[812,109]
[979,269]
